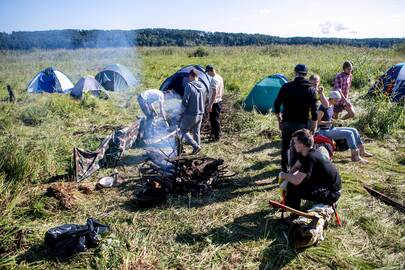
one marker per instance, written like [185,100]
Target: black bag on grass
[65,240]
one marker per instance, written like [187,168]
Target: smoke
[161,141]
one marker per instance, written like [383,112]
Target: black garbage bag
[65,240]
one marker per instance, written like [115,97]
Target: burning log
[183,174]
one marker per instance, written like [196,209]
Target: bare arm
[322,97]
[294,178]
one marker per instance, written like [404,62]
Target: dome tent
[86,84]
[179,80]
[263,94]
[49,80]
[391,83]
[116,77]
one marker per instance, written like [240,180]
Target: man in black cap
[298,99]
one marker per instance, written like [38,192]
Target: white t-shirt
[152,96]
[217,83]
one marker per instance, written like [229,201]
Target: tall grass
[380,117]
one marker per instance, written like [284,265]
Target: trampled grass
[230,228]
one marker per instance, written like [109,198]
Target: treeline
[74,39]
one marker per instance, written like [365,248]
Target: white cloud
[328,28]
[264,11]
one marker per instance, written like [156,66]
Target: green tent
[263,94]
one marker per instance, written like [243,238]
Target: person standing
[343,81]
[215,102]
[298,99]
[193,103]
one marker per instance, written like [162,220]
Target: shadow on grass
[225,191]
[250,227]
[38,253]
[263,147]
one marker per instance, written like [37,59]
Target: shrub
[199,52]
[381,117]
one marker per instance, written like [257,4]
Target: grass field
[230,228]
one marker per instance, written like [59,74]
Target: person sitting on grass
[349,134]
[312,177]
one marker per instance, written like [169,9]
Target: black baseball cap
[301,68]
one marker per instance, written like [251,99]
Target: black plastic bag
[65,240]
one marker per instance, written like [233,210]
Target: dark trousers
[288,129]
[215,120]
[311,193]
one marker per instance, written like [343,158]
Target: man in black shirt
[298,99]
[313,177]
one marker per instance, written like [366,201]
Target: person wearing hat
[298,99]
[215,101]
[349,134]
[193,104]
[343,81]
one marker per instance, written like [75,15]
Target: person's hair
[314,76]
[209,68]
[304,136]
[193,73]
[347,64]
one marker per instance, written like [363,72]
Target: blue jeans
[351,135]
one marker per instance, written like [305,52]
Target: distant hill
[73,39]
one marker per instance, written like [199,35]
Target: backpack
[67,239]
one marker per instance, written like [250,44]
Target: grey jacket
[194,98]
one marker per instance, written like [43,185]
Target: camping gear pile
[308,228]
[180,175]
[65,240]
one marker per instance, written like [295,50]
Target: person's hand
[320,90]
[280,121]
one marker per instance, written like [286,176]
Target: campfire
[181,175]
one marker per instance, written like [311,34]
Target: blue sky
[343,18]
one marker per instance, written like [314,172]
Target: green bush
[381,117]
[199,52]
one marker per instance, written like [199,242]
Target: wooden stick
[385,198]
[11,96]
[276,204]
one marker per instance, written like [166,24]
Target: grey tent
[86,84]
[116,77]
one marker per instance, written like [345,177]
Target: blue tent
[263,94]
[391,83]
[116,77]
[179,80]
[49,80]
